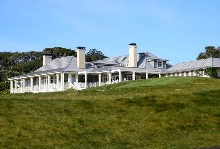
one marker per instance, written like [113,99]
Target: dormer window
[159,64]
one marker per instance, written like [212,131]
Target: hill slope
[154,113]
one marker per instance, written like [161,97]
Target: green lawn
[155,113]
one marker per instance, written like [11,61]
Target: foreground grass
[154,113]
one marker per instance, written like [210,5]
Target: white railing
[93,84]
[57,87]
[76,86]
[36,88]
[81,85]
[43,88]
[114,81]
[66,85]
[16,90]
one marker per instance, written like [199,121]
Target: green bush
[4,87]
[212,72]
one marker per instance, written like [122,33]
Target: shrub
[212,72]
[4,87]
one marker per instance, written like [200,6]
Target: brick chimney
[132,55]
[81,57]
[46,59]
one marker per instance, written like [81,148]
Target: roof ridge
[69,62]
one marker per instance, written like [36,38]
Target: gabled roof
[120,60]
[142,60]
[58,63]
[153,57]
[69,63]
[65,64]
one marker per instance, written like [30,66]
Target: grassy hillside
[153,113]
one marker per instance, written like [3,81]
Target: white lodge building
[63,73]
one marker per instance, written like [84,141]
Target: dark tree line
[17,63]
[94,55]
[210,51]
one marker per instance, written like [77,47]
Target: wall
[152,63]
[218,72]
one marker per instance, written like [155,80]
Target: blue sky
[171,29]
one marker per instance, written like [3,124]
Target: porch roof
[194,65]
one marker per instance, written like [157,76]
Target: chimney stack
[81,57]
[132,55]
[46,59]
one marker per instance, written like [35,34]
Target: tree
[17,63]
[210,51]
[59,52]
[94,55]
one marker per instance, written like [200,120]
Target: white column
[85,79]
[133,75]
[77,78]
[166,75]
[194,73]
[39,83]
[100,79]
[21,85]
[32,84]
[24,85]
[146,75]
[190,73]
[69,78]
[57,81]
[119,73]
[62,81]
[11,86]
[110,77]
[49,82]
[184,74]
[16,86]
[203,72]
[159,75]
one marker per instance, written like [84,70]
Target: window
[159,64]
[51,79]
[104,78]
[28,83]
[155,64]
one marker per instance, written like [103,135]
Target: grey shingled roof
[142,62]
[57,64]
[153,57]
[120,60]
[195,65]
[68,64]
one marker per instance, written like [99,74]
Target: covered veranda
[55,81]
